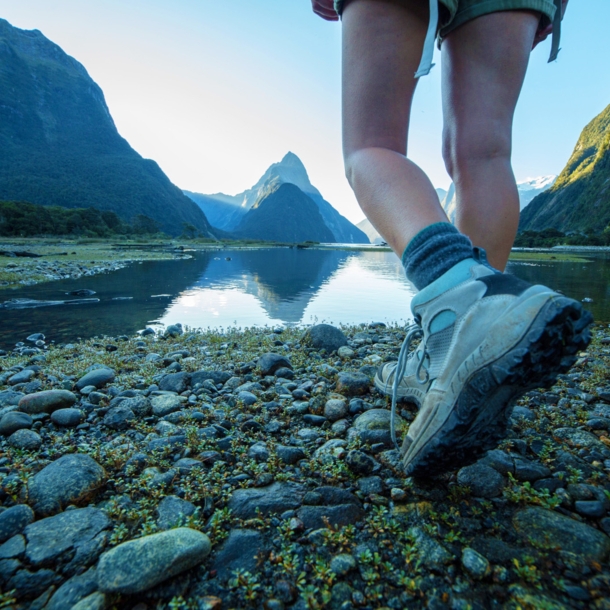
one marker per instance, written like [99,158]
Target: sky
[215,91]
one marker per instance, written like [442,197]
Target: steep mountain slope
[580,198]
[284,214]
[226,211]
[59,144]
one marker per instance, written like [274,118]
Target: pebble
[13,421]
[97,377]
[165,404]
[483,481]
[173,511]
[335,409]
[239,551]
[21,377]
[276,498]
[359,462]
[475,564]
[342,564]
[119,418]
[326,337]
[46,401]
[138,565]
[67,480]
[352,384]
[13,520]
[68,418]
[547,527]
[269,363]
[25,439]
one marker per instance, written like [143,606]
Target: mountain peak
[291,160]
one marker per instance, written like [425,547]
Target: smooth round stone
[269,363]
[247,398]
[346,352]
[13,520]
[475,564]
[25,439]
[353,384]
[138,565]
[335,409]
[13,421]
[46,401]
[119,418]
[325,336]
[342,564]
[483,481]
[87,390]
[21,377]
[65,481]
[67,418]
[97,377]
[165,404]
[590,508]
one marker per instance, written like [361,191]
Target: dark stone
[284,373]
[550,528]
[483,481]
[325,336]
[314,420]
[67,418]
[497,551]
[359,462]
[239,551]
[551,485]
[76,535]
[68,480]
[13,548]
[140,564]
[21,377]
[175,382]
[259,452]
[353,384]
[269,363]
[217,377]
[332,496]
[9,398]
[590,508]
[97,377]
[29,584]
[13,421]
[25,439]
[171,442]
[247,398]
[165,404]
[13,520]
[370,485]
[119,418]
[276,498]
[47,401]
[173,511]
[73,590]
[316,517]
[290,455]
[139,405]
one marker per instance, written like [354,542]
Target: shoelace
[413,332]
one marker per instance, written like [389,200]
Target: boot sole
[479,418]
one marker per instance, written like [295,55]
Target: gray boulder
[270,362]
[175,382]
[13,520]
[68,480]
[119,418]
[276,498]
[75,535]
[97,377]
[46,401]
[325,336]
[165,404]
[13,421]
[138,565]
[25,439]
[67,418]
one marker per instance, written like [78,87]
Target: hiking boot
[488,338]
[415,381]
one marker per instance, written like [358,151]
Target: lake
[275,286]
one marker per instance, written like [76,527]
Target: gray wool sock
[433,251]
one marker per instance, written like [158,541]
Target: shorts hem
[546,7]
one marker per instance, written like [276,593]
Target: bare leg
[484,64]
[382,46]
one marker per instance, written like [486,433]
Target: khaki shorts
[455,13]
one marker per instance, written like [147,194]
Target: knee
[465,152]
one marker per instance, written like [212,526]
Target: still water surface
[259,287]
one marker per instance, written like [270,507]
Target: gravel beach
[254,468]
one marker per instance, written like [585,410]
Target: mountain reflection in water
[256,287]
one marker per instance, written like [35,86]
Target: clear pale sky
[217,90]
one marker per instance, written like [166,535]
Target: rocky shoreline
[254,468]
